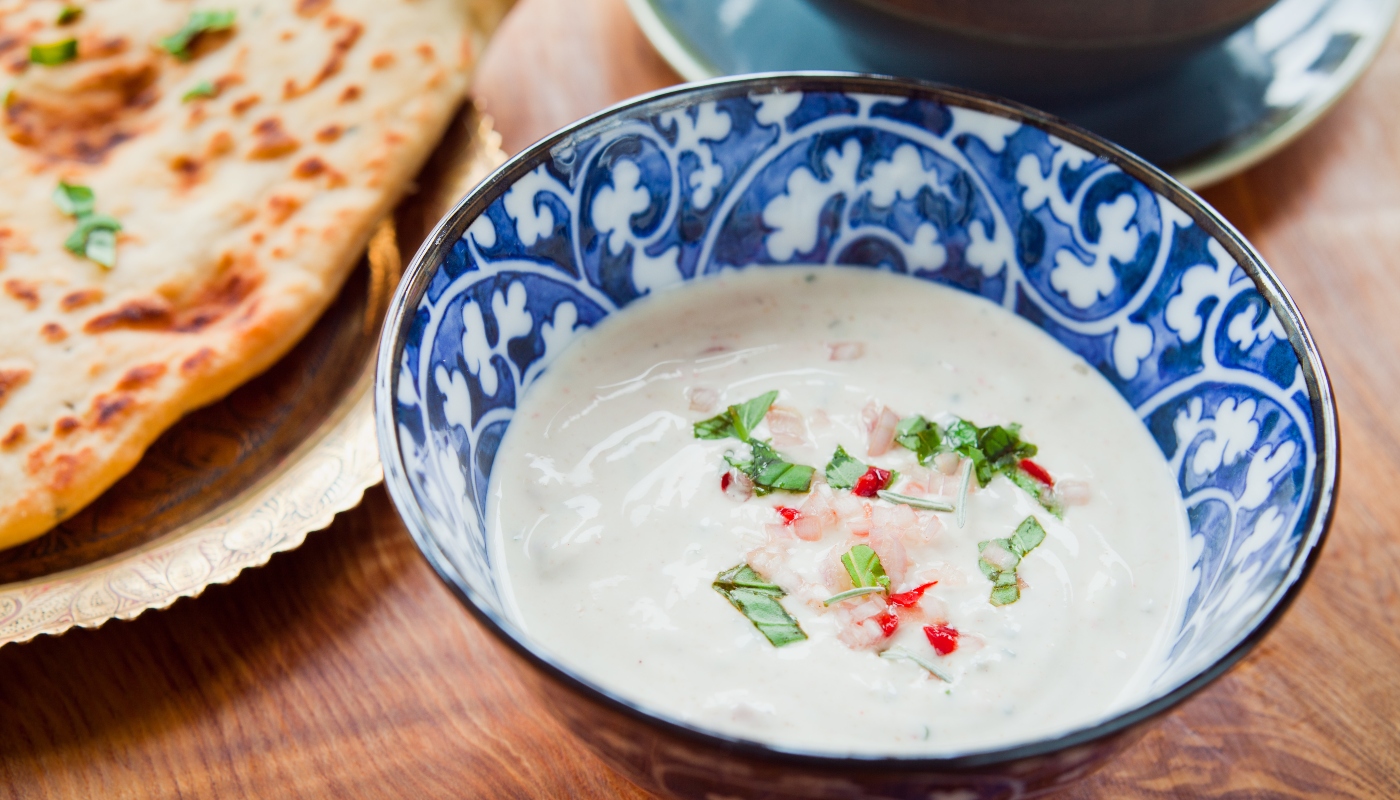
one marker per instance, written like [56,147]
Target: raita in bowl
[832,436]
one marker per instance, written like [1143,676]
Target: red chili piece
[724,481]
[870,484]
[1036,471]
[889,623]
[943,638]
[912,596]
[789,514]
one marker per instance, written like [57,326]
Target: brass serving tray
[235,482]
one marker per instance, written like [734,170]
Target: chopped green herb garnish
[843,470]
[200,90]
[900,654]
[178,43]
[1042,493]
[769,472]
[95,237]
[862,563]
[919,436]
[102,245]
[991,450]
[916,502]
[75,201]
[859,591]
[54,53]
[738,421]
[999,559]
[69,14]
[757,599]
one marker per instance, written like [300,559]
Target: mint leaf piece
[738,421]
[1029,534]
[1042,493]
[862,563]
[757,599]
[749,414]
[843,470]
[769,472]
[1000,558]
[919,436]
[960,436]
[68,14]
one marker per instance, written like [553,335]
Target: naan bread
[241,213]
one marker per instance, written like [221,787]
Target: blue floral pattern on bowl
[1152,290]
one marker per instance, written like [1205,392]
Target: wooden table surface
[344,669]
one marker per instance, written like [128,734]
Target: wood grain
[345,669]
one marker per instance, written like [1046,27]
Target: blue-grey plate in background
[1188,323]
[1218,113]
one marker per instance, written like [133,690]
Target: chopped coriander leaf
[769,472]
[102,247]
[862,563]
[737,421]
[88,225]
[843,470]
[916,502]
[95,237]
[74,200]
[178,43]
[757,599]
[54,53]
[919,436]
[68,14]
[200,90]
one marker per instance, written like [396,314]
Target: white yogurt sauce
[609,524]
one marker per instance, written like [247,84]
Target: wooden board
[345,669]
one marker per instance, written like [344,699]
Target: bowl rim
[454,224]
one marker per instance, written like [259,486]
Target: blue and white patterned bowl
[1104,252]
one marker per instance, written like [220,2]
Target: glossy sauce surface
[609,524]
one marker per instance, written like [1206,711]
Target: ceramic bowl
[1044,50]
[1106,254]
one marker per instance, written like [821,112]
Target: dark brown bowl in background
[1036,50]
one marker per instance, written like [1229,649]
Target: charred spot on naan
[66,425]
[282,206]
[141,377]
[197,361]
[237,278]
[347,32]
[11,379]
[24,291]
[82,113]
[80,299]
[53,333]
[271,140]
[13,436]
